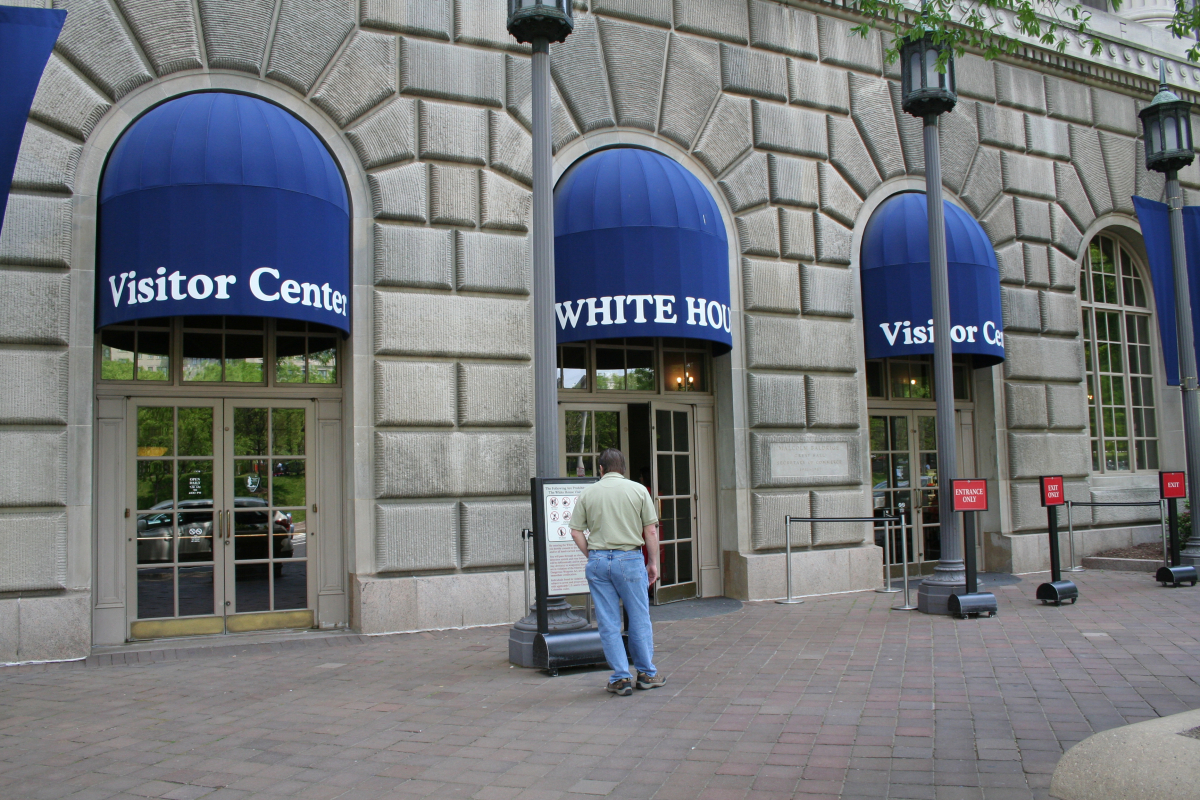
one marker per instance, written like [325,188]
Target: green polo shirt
[615,510]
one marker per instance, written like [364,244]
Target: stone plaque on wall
[806,460]
[803,459]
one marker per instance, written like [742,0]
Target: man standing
[621,517]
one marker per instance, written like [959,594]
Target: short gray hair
[613,460]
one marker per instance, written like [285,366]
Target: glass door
[269,483]
[904,480]
[674,489]
[176,567]
[218,540]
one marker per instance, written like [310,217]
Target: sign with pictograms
[1172,485]
[1054,491]
[970,494]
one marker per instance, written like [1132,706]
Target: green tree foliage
[976,26]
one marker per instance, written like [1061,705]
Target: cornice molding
[1128,62]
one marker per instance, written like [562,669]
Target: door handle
[228,527]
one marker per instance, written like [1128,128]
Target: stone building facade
[421,449]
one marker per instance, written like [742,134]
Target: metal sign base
[1058,592]
[1175,576]
[789,601]
[969,606]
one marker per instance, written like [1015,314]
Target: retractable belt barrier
[887,521]
[1172,571]
[1071,525]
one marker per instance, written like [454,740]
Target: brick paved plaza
[838,697]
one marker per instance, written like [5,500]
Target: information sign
[1053,491]
[970,494]
[1172,485]
[565,564]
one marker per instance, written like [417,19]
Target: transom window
[635,365]
[1117,357]
[219,350]
[911,378]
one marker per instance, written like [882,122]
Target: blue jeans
[620,575]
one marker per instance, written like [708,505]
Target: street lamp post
[538,24]
[1167,124]
[927,93]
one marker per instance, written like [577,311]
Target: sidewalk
[838,697]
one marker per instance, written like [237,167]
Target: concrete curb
[1144,761]
[1122,564]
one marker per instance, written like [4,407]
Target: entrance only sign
[1053,491]
[970,494]
[1172,485]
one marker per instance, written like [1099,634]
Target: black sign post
[1054,494]
[970,497]
[1171,487]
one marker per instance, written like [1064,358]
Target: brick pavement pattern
[839,697]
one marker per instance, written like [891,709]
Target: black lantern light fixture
[1167,123]
[531,19]
[923,89]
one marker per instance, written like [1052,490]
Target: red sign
[1172,485]
[1053,491]
[970,494]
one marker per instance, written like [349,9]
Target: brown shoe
[645,681]
[623,687]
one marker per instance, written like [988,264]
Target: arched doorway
[898,326]
[643,306]
[222,303]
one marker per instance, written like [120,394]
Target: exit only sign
[970,494]
[1053,491]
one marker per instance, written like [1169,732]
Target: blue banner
[897,300]
[27,35]
[640,250]
[1156,234]
[223,204]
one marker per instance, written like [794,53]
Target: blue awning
[1156,233]
[218,203]
[640,250]
[27,35]
[897,304]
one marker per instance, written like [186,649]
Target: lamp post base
[934,598]
[562,618]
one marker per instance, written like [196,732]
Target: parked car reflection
[195,542]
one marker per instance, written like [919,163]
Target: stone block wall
[795,119]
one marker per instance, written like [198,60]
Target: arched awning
[897,305]
[219,203]
[640,250]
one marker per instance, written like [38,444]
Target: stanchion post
[1162,529]
[888,563]
[1075,566]
[526,535]
[908,603]
[887,557]
[787,549]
